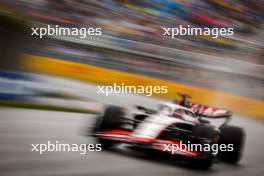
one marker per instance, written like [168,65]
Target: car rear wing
[211,112]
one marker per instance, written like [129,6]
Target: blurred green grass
[29,105]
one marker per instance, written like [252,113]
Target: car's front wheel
[111,119]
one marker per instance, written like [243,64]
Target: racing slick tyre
[206,131]
[112,119]
[204,163]
[210,136]
[232,135]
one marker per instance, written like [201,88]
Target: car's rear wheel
[209,136]
[235,136]
[203,163]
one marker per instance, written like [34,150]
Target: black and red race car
[173,128]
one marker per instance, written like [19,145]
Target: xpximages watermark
[183,147]
[129,89]
[197,31]
[65,31]
[62,147]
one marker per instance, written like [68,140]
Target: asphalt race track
[21,127]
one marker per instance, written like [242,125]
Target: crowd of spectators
[137,24]
[142,20]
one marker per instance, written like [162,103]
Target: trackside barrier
[242,105]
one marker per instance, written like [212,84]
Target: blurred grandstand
[132,40]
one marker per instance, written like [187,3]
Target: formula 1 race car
[172,125]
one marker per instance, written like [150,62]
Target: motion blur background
[60,73]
